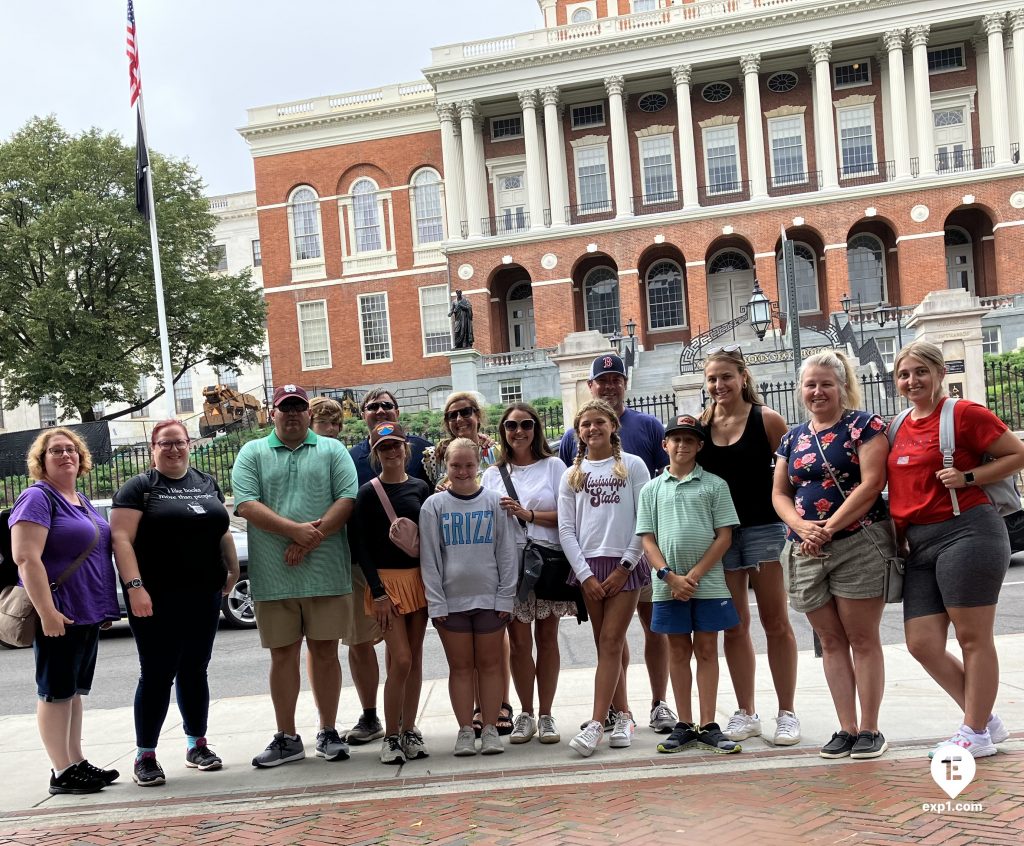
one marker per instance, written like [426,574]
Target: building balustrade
[517,358]
[866,173]
[720,193]
[784,184]
[663,201]
[973,158]
[590,212]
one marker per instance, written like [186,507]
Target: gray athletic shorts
[958,563]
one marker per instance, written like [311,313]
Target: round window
[782,82]
[653,102]
[716,92]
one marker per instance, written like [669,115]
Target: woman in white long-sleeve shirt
[597,505]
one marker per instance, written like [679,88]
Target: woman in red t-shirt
[956,564]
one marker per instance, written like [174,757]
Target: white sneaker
[979,745]
[742,725]
[663,718]
[547,731]
[465,743]
[587,740]
[997,729]
[787,729]
[622,734]
[524,729]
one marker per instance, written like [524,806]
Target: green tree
[77,301]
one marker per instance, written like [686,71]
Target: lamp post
[631,334]
[845,303]
[882,316]
[759,311]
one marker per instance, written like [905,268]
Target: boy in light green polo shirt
[686,517]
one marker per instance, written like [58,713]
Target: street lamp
[882,315]
[759,311]
[631,334]
[845,303]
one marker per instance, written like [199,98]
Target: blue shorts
[65,665]
[754,545]
[673,616]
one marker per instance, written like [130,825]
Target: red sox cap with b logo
[609,363]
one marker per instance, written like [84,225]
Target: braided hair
[576,475]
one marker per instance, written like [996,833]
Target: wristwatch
[663,573]
[969,477]
[134,583]
[627,566]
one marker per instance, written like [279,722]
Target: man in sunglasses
[296,491]
[379,406]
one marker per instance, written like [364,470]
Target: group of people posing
[495,541]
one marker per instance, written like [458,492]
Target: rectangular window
[658,168]
[511,390]
[437,333]
[268,379]
[141,392]
[375,331]
[47,411]
[183,403]
[228,377]
[721,159]
[219,257]
[592,190]
[852,73]
[314,339]
[257,253]
[506,127]
[990,341]
[789,165]
[857,140]
[587,114]
[1,406]
[644,5]
[887,349]
[948,58]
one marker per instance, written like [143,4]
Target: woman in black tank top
[743,434]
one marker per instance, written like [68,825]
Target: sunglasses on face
[455,414]
[379,406]
[512,425]
[387,446]
[293,407]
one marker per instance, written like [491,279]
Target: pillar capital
[528,99]
[1017,20]
[821,52]
[467,110]
[614,85]
[993,23]
[445,112]
[549,95]
[919,35]
[893,40]
[750,63]
[682,74]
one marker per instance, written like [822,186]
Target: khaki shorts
[647,591]
[851,568]
[282,622]
[360,627]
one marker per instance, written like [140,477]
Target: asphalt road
[239,666]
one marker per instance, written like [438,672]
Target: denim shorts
[753,545]
[673,616]
[65,665]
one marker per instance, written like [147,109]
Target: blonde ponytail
[619,470]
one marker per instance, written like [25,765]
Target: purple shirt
[89,595]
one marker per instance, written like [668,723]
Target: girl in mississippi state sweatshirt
[469,566]
[597,504]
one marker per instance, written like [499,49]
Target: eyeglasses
[512,425]
[729,349]
[454,415]
[56,452]
[179,444]
[293,407]
[379,406]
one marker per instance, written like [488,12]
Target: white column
[753,126]
[1017,24]
[824,122]
[476,191]
[556,159]
[993,25]
[923,102]
[898,97]
[534,180]
[687,146]
[620,147]
[451,160]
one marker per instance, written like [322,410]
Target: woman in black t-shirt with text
[177,559]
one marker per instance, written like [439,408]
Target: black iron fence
[973,158]
[662,406]
[878,396]
[724,191]
[783,184]
[656,203]
[866,173]
[1004,390]
[589,212]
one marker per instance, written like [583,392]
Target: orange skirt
[403,587]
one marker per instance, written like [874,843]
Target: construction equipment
[225,409]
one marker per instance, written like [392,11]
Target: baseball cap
[686,423]
[286,392]
[387,432]
[609,363]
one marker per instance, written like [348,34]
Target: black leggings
[175,646]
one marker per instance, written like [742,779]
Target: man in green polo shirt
[296,491]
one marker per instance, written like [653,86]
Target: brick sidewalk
[877,802]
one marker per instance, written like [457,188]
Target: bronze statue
[461,313]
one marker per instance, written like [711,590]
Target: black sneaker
[710,737]
[202,757]
[364,731]
[106,776]
[609,720]
[682,736]
[147,772]
[75,780]
[869,744]
[840,746]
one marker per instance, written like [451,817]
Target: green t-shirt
[683,515]
[300,484]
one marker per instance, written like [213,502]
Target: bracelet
[533,517]
[381,598]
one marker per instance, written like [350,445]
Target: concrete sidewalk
[915,713]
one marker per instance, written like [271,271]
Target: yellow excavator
[225,409]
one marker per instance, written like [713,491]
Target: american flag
[134,81]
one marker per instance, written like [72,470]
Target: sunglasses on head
[512,425]
[729,349]
[382,406]
[452,416]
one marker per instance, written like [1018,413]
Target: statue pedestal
[574,356]
[463,363]
[688,388]
[952,321]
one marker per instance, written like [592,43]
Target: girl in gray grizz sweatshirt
[468,558]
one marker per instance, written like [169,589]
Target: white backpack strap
[947,443]
[894,427]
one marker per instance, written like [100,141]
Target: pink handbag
[404,533]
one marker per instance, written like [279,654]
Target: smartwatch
[663,573]
[969,477]
[627,566]
[134,583]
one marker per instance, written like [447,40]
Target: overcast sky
[204,62]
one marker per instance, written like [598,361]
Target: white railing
[518,358]
[357,99]
[349,101]
[294,109]
[1002,301]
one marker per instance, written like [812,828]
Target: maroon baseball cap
[286,392]
[387,432]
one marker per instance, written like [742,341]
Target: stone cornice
[302,124]
[719,120]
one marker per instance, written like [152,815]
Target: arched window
[806,277]
[366,216]
[426,190]
[865,264]
[305,224]
[665,303]
[728,261]
[582,16]
[601,300]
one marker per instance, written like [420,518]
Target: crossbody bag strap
[70,571]
[947,443]
[382,495]
[507,479]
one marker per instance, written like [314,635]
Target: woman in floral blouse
[827,489]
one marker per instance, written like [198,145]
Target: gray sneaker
[413,745]
[490,741]
[465,743]
[282,750]
[330,746]
[364,731]
[663,718]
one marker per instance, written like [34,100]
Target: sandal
[478,723]
[504,723]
